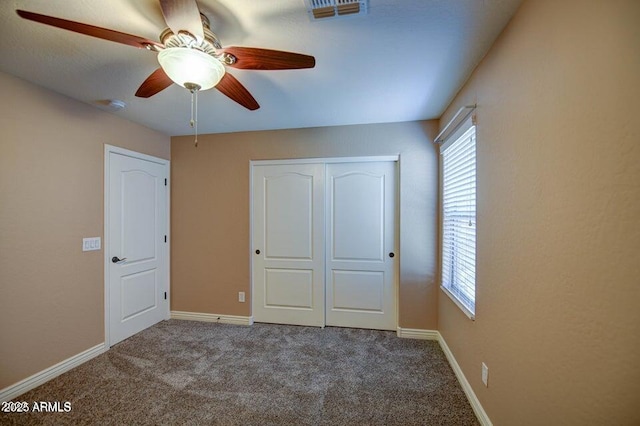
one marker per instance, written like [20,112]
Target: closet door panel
[288,244]
[361,276]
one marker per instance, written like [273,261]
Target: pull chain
[194,88]
[194,114]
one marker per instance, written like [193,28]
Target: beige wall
[558,266]
[210,210]
[51,196]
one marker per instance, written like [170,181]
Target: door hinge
[165,181]
[165,238]
[165,295]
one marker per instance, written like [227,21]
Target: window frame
[451,140]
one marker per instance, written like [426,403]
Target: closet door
[361,247]
[288,244]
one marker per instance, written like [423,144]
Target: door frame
[108,150]
[331,160]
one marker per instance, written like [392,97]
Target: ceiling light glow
[191,66]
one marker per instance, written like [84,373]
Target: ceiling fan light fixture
[187,66]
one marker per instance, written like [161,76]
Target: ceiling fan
[189,53]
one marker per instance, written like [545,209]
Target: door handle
[392,254]
[115,259]
[257,251]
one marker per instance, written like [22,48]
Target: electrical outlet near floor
[485,374]
[241,296]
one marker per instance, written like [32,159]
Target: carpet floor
[196,373]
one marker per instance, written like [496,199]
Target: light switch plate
[90,244]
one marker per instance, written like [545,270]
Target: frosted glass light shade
[184,65]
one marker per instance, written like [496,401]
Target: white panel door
[288,244]
[137,258]
[361,261]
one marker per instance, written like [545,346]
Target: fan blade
[183,15]
[156,82]
[232,88]
[90,30]
[252,58]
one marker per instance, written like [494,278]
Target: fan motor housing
[209,45]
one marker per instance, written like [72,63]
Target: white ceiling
[403,61]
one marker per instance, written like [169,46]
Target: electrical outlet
[241,296]
[485,374]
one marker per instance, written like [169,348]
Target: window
[459,218]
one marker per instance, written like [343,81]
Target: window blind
[459,218]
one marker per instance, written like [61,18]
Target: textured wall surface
[51,196]
[558,266]
[210,210]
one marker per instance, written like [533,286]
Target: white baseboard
[416,333]
[464,383]
[23,386]
[222,319]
